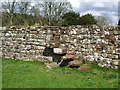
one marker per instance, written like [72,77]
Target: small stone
[51,65]
[75,63]
[84,68]
[116,67]
[33,32]
[59,50]
[12,27]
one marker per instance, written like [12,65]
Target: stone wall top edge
[59,27]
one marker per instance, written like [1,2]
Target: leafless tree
[103,20]
[9,7]
[44,12]
[53,10]
[24,9]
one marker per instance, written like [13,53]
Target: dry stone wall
[93,43]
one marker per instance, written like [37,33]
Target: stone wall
[93,43]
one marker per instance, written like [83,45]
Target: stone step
[75,63]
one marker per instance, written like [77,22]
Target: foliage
[87,19]
[53,11]
[71,18]
[31,74]
[17,13]
[44,13]
[18,19]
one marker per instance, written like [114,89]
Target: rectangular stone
[45,58]
[68,56]
[116,62]
[59,50]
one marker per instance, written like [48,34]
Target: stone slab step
[75,63]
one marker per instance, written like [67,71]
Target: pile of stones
[70,60]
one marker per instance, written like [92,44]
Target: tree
[24,13]
[9,8]
[35,11]
[102,20]
[53,11]
[70,18]
[24,9]
[87,19]
[19,13]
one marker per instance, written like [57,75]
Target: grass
[29,74]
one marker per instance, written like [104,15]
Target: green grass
[29,74]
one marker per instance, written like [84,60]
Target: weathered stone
[44,58]
[114,56]
[116,62]
[48,38]
[75,63]
[12,27]
[34,32]
[89,58]
[67,56]
[51,65]
[104,54]
[84,68]
[117,67]
[59,50]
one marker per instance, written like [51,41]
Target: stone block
[116,62]
[75,63]
[59,50]
[118,51]
[33,32]
[40,47]
[48,38]
[44,58]
[117,67]
[114,56]
[68,56]
[51,65]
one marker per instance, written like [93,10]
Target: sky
[108,8]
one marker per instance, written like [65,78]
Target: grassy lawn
[29,74]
